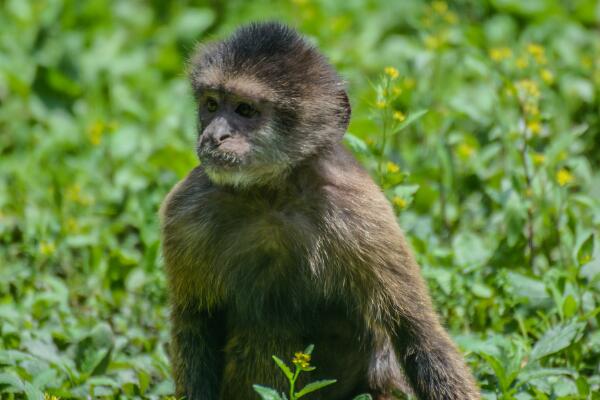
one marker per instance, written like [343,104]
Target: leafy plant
[301,363]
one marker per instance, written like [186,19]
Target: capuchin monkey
[280,239]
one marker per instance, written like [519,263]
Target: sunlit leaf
[556,339]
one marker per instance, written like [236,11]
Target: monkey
[280,239]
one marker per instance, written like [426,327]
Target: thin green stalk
[293,384]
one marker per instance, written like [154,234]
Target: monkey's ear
[346,109]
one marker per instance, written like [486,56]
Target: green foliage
[479,118]
[301,362]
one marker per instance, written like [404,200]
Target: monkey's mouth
[219,158]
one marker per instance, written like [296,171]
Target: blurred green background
[479,118]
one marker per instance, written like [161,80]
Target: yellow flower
[72,226]
[538,158]
[535,49]
[399,202]
[75,195]
[529,87]
[433,42]
[47,248]
[547,76]
[522,63]
[391,72]
[535,127]
[95,132]
[500,53]
[392,167]
[49,397]
[301,359]
[399,116]
[537,52]
[439,7]
[564,177]
[531,109]
[380,104]
[465,150]
[396,91]
[451,18]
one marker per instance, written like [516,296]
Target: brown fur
[313,255]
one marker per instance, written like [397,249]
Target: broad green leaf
[356,144]
[569,306]
[535,373]
[556,339]
[10,379]
[282,366]
[524,286]
[498,369]
[32,392]
[144,381]
[586,251]
[411,119]
[193,22]
[309,349]
[313,386]
[267,393]
[470,250]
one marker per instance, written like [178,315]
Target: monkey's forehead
[243,85]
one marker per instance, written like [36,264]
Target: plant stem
[293,384]
[384,128]
[529,190]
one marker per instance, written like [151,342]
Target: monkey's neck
[298,178]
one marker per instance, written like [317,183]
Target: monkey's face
[237,142]
[267,102]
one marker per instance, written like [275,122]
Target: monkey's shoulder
[357,210]
[346,185]
[185,196]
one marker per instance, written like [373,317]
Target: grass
[480,120]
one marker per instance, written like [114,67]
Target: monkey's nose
[221,137]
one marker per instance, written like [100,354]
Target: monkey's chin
[246,176]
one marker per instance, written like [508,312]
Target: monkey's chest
[265,266]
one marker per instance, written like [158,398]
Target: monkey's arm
[435,368]
[198,324]
[431,361]
[195,352]
[389,289]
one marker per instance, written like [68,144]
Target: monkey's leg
[196,342]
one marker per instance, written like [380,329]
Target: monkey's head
[267,100]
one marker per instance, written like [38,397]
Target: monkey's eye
[211,104]
[246,110]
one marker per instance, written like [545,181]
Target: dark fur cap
[278,64]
